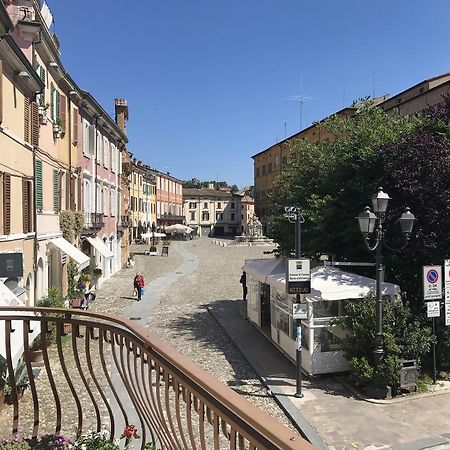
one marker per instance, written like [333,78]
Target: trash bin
[408,374]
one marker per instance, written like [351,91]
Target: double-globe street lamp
[372,223]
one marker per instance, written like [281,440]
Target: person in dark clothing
[243,281]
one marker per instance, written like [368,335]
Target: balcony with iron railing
[124,222]
[94,221]
[108,372]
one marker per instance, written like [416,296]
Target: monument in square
[253,234]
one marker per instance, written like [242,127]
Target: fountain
[253,234]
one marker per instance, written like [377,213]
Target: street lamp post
[369,223]
[153,235]
[296,213]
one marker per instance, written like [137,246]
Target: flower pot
[36,357]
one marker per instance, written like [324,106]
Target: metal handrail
[114,373]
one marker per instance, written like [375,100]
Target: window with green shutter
[52,102]
[55,191]
[42,94]
[38,184]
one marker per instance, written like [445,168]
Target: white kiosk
[270,308]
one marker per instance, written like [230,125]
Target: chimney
[210,185]
[121,114]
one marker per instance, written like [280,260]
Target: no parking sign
[432,282]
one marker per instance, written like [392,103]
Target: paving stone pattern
[178,290]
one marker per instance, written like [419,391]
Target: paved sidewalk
[329,414]
[199,276]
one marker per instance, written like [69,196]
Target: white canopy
[179,228]
[150,235]
[77,255]
[99,245]
[7,298]
[327,282]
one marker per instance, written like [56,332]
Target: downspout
[95,165]
[35,240]
[36,243]
[69,134]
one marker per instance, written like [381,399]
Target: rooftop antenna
[285,129]
[300,99]
[373,83]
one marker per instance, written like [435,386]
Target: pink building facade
[99,171]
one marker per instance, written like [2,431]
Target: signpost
[433,309]
[432,283]
[447,291]
[299,311]
[298,276]
[432,290]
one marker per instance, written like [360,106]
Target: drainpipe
[35,243]
[69,134]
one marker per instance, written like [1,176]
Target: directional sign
[433,309]
[447,291]
[432,282]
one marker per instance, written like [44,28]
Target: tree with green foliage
[331,181]
[404,337]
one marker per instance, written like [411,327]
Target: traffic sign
[299,311]
[447,291]
[432,282]
[433,309]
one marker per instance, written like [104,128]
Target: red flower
[129,432]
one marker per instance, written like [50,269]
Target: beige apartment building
[212,212]
[19,138]
[269,163]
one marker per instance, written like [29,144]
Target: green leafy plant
[78,222]
[66,224]
[404,337]
[97,272]
[21,380]
[95,441]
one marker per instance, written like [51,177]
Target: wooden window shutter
[34,124]
[6,203]
[42,94]
[55,191]
[38,184]
[61,100]
[80,194]
[26,206]
[57,104]
[52,102]
[72,192]
[1,91]
[68,190]
[75,126]
[26,119]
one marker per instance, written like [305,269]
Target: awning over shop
[98,244]
[7,298]
[77,255]
[327,282]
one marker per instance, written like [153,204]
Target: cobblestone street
[178,308]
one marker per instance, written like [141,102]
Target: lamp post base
[299,395]
[378,356]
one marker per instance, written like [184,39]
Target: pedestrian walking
[136,285]
[140,286]
[243,281]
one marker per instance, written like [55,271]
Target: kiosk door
[265,305]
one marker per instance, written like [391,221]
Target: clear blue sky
[208,81]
